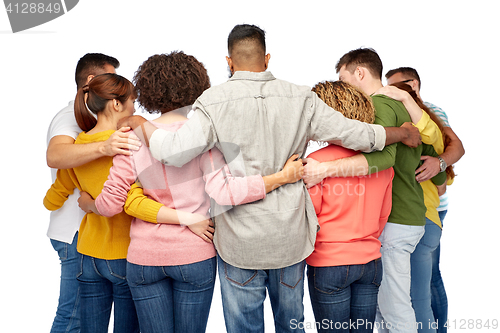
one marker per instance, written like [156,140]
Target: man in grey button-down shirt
[258,121]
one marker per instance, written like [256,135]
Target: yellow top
[431,135]
[99,236]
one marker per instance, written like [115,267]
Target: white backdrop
[453,45]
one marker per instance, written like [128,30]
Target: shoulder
[386,106]
[331,153]
[439,112]
[383,100]
[64,123]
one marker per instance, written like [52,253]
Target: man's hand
[123,141]
[412,138]
[133,122]
[314,172]
[429,169]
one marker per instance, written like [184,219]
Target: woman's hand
[293,169]
[203,229]
[393,92]
[87,203]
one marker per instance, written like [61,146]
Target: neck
[174,115]
[256,68]
[372,86]
[104,123]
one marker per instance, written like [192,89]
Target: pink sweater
[352,213]
[183,189]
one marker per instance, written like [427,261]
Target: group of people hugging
[144,213]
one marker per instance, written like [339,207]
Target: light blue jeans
[244,291]
[421,273]
[395,312]
[173,298]
[68,310]
[439,299]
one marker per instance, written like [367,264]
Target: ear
[360,73]
[230,64]
[90,77]
[413,84]
[117,105]
[266,60]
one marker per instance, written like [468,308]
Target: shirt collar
[253,76]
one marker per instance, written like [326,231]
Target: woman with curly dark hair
[171,259]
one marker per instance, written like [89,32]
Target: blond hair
[347,99]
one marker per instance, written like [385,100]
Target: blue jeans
[68,310]
[102,283]
[439,300]
[421,272]
[344,298]
[394,302]
[244,291]
[173,298]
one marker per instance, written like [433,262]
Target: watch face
[442,164]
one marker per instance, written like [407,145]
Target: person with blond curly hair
[345,269]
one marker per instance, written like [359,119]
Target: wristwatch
[442,164]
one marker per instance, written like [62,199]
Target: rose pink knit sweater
[183,189]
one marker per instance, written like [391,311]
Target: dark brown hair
[92,64]
[166,82]
[361,57]
[406,71]
[446,140]
[101,89]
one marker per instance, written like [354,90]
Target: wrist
[442,164]
[101,148]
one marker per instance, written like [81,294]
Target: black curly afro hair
[166,82]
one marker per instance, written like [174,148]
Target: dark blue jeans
[173,298]
[344,298]
[102,284]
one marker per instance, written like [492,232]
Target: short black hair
[89,64]
[246,32]
[406,71]
[365,57]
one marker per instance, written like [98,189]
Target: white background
[453,45]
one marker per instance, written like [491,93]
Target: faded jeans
[396,311]
[244,292]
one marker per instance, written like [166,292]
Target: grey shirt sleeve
[195,137]
[328,125]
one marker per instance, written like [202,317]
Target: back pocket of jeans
[291,276]
[199,273]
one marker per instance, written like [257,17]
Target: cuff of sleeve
[148,213]
[422,123]
[49,205]
[380,137]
